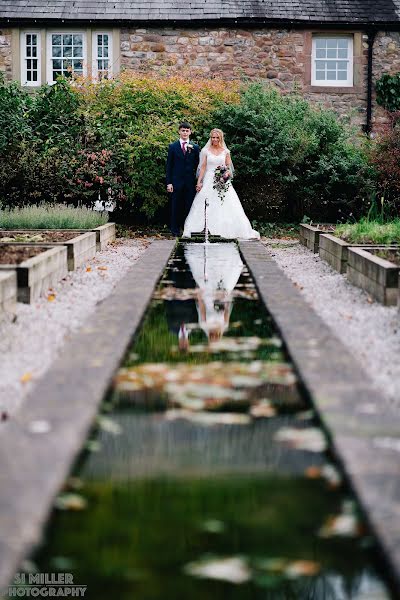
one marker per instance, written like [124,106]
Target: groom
[182,163]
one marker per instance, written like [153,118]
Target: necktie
[184,147]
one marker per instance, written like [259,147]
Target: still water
[208,476]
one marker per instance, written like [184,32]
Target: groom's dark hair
[184,125]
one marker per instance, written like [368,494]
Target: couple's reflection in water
[214,272]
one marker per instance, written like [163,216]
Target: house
[331,51]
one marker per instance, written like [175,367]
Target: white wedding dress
[225,218]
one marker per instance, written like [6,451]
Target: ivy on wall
[388,91]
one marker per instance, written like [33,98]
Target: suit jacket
[181,168]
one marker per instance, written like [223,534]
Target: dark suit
[181,172]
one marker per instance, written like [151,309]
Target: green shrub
[388,91]
[47,216]
[301,153]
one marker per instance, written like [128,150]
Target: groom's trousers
[181,202]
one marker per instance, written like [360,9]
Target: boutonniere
[189,147]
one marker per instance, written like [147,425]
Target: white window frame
[24,58]
[349,82]
[95,70]
[61,32]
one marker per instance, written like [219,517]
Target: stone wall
[5,53]
[280,56]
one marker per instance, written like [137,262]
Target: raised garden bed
[8,293]
[368,269]
[37,267]
[104,235]
[309,234]
[81,246]
[335,251]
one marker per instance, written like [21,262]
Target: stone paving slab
[63,406]
[363,427]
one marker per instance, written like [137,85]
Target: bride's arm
[201,174]
[228,162]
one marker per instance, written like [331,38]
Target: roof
[294,11]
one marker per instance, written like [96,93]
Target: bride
[225,218]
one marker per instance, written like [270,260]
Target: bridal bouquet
[222,181]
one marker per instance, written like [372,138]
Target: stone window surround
[90,32]
[358,63]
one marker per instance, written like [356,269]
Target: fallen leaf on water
[332,476]
[70,501]
[302,568]
[206,418]
[102,268]
[345,524]
[213,526]
[262,409]
[313,472]
[311,439]
[88,269]
[93,446]
[233,569]
[51,297]
[108,425]
[26,377]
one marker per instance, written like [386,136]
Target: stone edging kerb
[363,427]
[34,466]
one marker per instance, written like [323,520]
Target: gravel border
[368,329]
[30,344]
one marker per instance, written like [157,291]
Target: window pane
[77,51]
[56,64]
[34,76]
[67,39]
[320,53]
[34,39]
[67,51]
[99,51]
[342,64]
[29,75]
[34,50]
[332,43]
[105,39]
[28,51]
[100,40]
[331,54]
[320,64]
[56,51]
[77,64]
[56,40]
[342,75]
[105,52]
[78,40]
[29,64]
[320,76]
[331,75]
[34,63]
[343,43]
[342,53]
[29,39]
[320,43]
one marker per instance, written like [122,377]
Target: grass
[51,216]
[373,232]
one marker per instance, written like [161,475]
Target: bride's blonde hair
[221,136]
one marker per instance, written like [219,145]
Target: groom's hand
[170,188]
[198,187]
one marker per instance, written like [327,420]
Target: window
[66,54]
[30,58]
[332,61]
[102,55]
